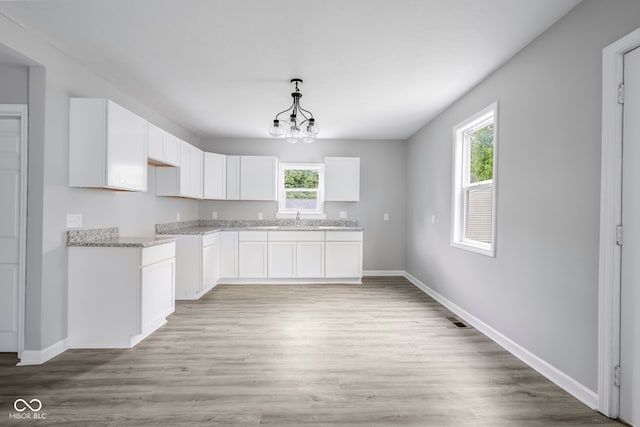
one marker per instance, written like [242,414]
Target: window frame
[461,186]
[283,212]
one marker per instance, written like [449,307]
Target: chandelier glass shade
[301,126]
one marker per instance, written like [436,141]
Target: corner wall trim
[570,385]
[38,357]
[383,273]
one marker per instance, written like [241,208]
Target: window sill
[477,247]
[307,215]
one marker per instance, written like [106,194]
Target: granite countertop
[110,238]
[124,242]
[202,230]
[192,231]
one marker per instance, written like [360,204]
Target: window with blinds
[473,222]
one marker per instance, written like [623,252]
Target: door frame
[610,218]
[21,111]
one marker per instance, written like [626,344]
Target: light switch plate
[177,216]
[260,215]
[214,215]
[385,217]
[343,214]
[433,219]
[74,220]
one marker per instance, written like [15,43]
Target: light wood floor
[381,353]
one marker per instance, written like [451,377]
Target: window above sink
[301,190]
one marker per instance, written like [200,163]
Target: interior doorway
[630,267]
[618,326]
[13,193]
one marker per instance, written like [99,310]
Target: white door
[630,275]
[12,222]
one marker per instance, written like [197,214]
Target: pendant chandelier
[301,125]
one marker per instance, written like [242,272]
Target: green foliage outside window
[481,159]
[300,178]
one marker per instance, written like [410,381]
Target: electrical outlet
[385,217]
[177,216]
[214,215]
[433,219]
[74,220]
[343,214]
[260,216]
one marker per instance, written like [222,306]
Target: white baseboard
[383,273]
[293,281]
[564,381]
[38,357]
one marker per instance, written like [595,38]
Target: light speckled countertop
[124,242]
[208,230]
[110,238]
[202,227]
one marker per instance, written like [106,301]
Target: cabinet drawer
[252,236]
[296,236]
[158,253]
[344,236]
[210,239]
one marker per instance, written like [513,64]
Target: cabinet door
[282,259]
[184,178]
[158,293]
[229,254]
[171,149]
[233,177]
[342,179]
[343,259]
[252,259]
[215,176]
[310,259]
[258,178]
[196,180]
[126,149]
[154,144]
[208,266]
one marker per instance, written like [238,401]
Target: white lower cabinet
[296,254]
[310,259]
[228,254]
[198,265]
[291,254]
[211,261]
[252,254]
[117,296]
[343,252]
[282,259]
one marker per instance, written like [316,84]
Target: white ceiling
[372,69]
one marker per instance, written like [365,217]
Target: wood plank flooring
[377,354]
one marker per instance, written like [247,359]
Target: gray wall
[50,197]
[541,290]
[14,83]
[382,190]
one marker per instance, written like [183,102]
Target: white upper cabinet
[163,148]
[183,181]
[233,177]
[215,176]
[258,178]
[341,179]
[107,146]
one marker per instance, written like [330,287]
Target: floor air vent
[457,322]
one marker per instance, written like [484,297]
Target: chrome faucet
[298,219]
